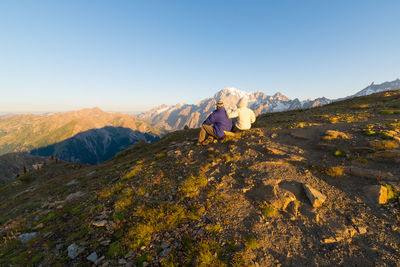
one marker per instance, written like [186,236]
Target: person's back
[245,116]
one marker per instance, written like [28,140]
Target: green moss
[251,243]
[339,153]
[385,135]
[49,216]
[369,133]
[142,258]
[115,250]
[268,210]
[36,258]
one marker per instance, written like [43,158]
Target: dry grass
[332,135]
[335,171]
[384,144]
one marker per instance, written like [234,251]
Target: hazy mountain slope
[12,164]
[176,117]
[27,132]
[94,146]
[228,204]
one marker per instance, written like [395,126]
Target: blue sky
[134,55]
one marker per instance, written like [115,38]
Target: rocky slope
[94,146]
[12,164]
[177,116]
[303,188]
[26,132]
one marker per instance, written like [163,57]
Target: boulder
[316,198]
[376,193]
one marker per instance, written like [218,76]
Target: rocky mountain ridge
[177,116]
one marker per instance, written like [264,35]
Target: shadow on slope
[96,145]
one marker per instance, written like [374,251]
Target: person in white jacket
[245,116]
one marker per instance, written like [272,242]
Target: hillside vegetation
[306,187]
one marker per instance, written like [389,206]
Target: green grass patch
[115,250]
[268,210]
[251,243]
[192,185]
[369,132]
[385,135]
[48,217]
[156,219]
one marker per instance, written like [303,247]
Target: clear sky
[134,55]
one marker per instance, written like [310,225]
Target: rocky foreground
[303,188]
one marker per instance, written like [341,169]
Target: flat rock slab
[300,136]
[362,149]
[316,198]
[368,173]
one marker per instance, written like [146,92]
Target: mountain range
[192,115]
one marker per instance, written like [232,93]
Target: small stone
[100,223]
[39,226]
[73,182]
[121,261]
[129,255]
[164,245]
[92,257]
[377,193]
[24,238]
[74,195]
[145,264]
[105,242]
[362,230]
[316,198]
[165,252]
[74,250]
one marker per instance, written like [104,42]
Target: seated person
[245,116]
[215,125]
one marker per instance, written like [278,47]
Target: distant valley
[87,136]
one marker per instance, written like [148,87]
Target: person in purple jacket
[215,125]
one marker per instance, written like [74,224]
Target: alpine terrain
[306,187]
[177,116]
